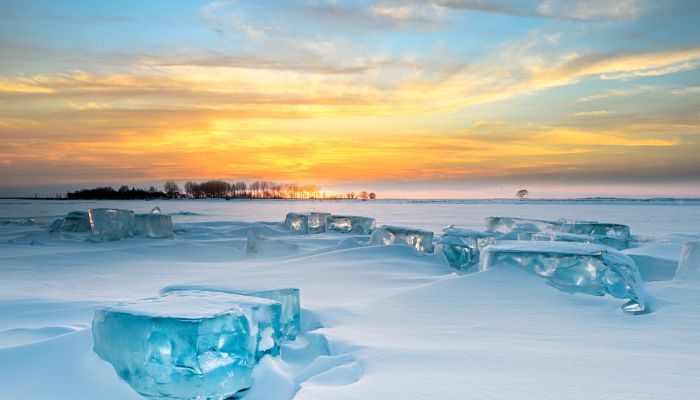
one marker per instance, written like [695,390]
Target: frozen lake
[381,322]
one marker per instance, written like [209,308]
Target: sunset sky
[441,98]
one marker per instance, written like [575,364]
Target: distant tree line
[109,193]
[264,190]
[218,189]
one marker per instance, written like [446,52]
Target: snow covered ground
[381,322]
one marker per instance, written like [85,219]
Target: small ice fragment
[155,210]
[419,239]
[153,225]
[573,267]
[462,247]
[689,263]
[188,344]
[287,297]
[506,225]
[111,223]
[350,224]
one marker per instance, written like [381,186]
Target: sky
[425,99]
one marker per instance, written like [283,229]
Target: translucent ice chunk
[258,244]
[506,225]
[350,224]
[76,221]
[310,222]
[574,267]
[317,222]
[188,344]
[111,223]
[56,225]
[287,297]
[615,231]
[574,237]
[153,225]
[689,263]
[297,222]
[387,234]
[462,247]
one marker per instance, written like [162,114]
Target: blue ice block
[350,224]
[462,247]
[317,222]
[76,221]
[574,267]
[287,297]
[188,344]
[618,233]
[387,234]
[506,225]
[111,223]
[153,225]
[309,222]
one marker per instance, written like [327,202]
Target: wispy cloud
[589,114]
[590,9]
[686,90]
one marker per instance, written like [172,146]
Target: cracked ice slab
[111,223]
[574,267]
[350,224]
[417,238]
[462,247]
[287,297]
[153,225]
[188,344]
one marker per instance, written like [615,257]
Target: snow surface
[384,322]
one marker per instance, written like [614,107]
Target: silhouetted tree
[171,189]
[193,189]
[522,193]
[372,196]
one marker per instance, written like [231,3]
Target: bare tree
[364,195]
[372,196]
[522,193]
[171,189]
[193,189]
